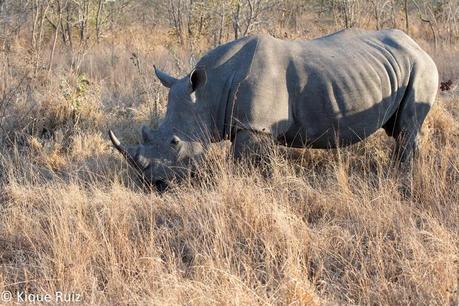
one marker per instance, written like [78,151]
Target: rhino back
[345,85]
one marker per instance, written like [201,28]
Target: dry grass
[336,227]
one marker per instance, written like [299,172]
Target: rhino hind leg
[407,146]
[405,126]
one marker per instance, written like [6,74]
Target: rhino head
[169,152]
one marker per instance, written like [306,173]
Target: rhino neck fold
[226,109]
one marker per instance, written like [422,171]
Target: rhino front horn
[131,158]
[123,150]
[116,142]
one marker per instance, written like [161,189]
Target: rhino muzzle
[156,163]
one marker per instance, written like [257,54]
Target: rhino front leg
[251,144]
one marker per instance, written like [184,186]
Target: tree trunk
[56,33]
[236,25]
[407,23]
[69,26]
[222,24]
[100,8]
[377,15]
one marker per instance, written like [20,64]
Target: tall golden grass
[333,227]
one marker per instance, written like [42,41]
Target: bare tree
[431,20]
[100,7]
[58,24]
[407,22]
[248,14]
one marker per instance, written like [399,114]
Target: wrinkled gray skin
[324,93]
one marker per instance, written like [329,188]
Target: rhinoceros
[324,93]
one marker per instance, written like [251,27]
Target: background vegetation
[335,227]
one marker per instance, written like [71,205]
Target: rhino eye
[142,162]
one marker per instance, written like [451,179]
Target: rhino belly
[299,136]
[320,125]
[342,107]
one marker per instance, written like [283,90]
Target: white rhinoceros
[325,93]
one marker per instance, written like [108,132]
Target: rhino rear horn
[165,79]
[147,134]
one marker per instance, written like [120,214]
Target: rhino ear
[165,79]
[198,77]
